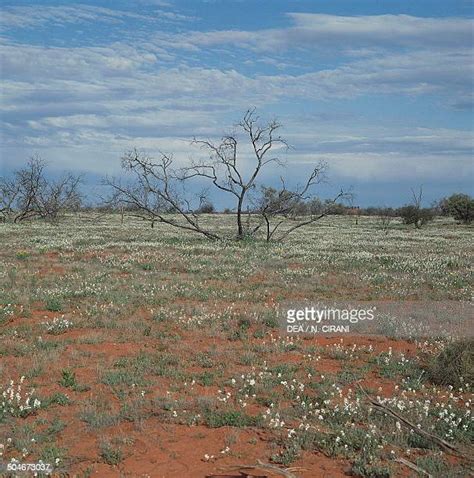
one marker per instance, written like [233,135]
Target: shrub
[68,379]
[415,215]
[460,207]
[454,365]
[333,209]
[54,305]
[365,469]
[206,208]
[110,454]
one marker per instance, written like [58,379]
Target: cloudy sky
[380,90]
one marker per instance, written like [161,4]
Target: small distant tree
[206,208]
[314,206]
[385,218]
[414,213]
[334,208]
[30,194]
[459,206]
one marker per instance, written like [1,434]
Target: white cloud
[76,103]
[356,34]
[381,30]
[447,72]
[33,63]
[398,167]
[29,16]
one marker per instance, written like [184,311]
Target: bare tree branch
[154,195]
[225,171]
[30,194]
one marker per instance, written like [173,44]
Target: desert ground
[131,351]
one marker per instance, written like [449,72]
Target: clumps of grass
[369,469]
[22,255]
[160,317]
[230,418]
[206,379]
[270,320]
[205,360]
[454,365]
[287,456]
[53,304]
[53,454]
[68,380]
[112,455]
[134,410]
[132,371]
[437,466]
[97,413]
[122,377]
[57,326]
[237,334]
[398,365]
[57,398]
[6,312]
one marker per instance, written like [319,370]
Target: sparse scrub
[454,365]
[194,341]
[112,455]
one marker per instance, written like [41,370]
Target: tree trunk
[240,228]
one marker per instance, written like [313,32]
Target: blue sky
[382,91]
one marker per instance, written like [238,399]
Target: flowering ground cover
[131,351]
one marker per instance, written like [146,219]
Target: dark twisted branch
[158,181]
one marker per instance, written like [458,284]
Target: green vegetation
[172,332]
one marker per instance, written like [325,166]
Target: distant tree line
[157,191]
[29,194]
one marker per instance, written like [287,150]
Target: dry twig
[413,467]
[446,446]
[274,470]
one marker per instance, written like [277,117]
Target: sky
[380,90]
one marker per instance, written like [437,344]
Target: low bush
[454,365]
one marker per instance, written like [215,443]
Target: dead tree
[159,189]
[414,213]
[9,191]
[30,194]
[385,219]
[224,167]
[156,193]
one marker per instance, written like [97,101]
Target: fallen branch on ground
[274,470]
[446,446]
[413,467]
